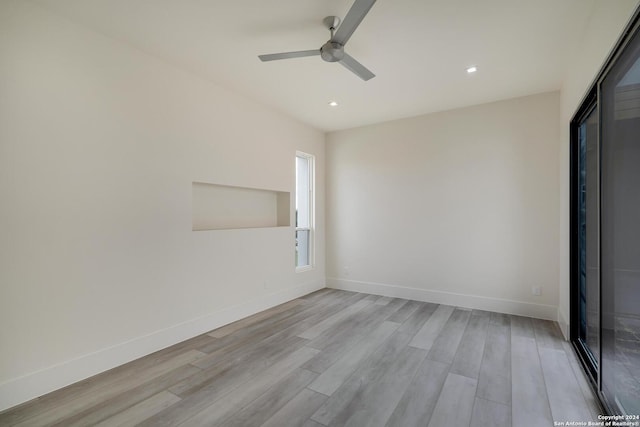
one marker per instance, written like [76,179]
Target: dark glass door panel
[588,237]
[620,238]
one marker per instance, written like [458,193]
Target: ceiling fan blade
[357,68]
[288,55]
[350,22]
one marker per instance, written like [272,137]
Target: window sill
[303,269]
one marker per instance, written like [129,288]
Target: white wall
[605,26]
[459,207]
[99,146]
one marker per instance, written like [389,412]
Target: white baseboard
[539,311]
[30,386]
[564,324]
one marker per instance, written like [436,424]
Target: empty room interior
[319,213]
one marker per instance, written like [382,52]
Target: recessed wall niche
[224,207]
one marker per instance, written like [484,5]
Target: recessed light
[333,103]
[471,70]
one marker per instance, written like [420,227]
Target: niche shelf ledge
[225,207]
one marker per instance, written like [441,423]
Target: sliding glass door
[605,227]
[620,210]
[588,235]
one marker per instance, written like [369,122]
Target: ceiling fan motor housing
[332,51]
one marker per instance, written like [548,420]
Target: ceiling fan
[333,50]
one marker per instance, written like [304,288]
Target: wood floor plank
[141,411]
[335,296]
[384,300]
[319,328]
[416,321]
[501,319]
[369,372]
[405,311]
[337,350]
[417,403]
[347,325]
[297,411]
[330,309]
[122,401]
[565,396]
[568,349]
[317,294]
[494,378]
[353,326]
[75,406]
[92,385]
[266,327]
[254,329]
[488,413]
[529,401]
[583,381]
[309,316]
[266,406]
[522,327]
[331,379]
[256,318]
[429,332]
[267,335]
[218,361]
[376,403]
[590,398]
[342,340]
[221,398]
[468,358]
[446,344]
[325,294]
[547,334]
[236,368]
[455,404]
[481,313]
[221,410]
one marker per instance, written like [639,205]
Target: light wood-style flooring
[336,358]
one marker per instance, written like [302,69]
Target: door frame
[590,100]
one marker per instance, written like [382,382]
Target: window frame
[592,99]
[589,105]
[310,158]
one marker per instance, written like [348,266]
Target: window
[304,211]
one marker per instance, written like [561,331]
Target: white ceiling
[418,49]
